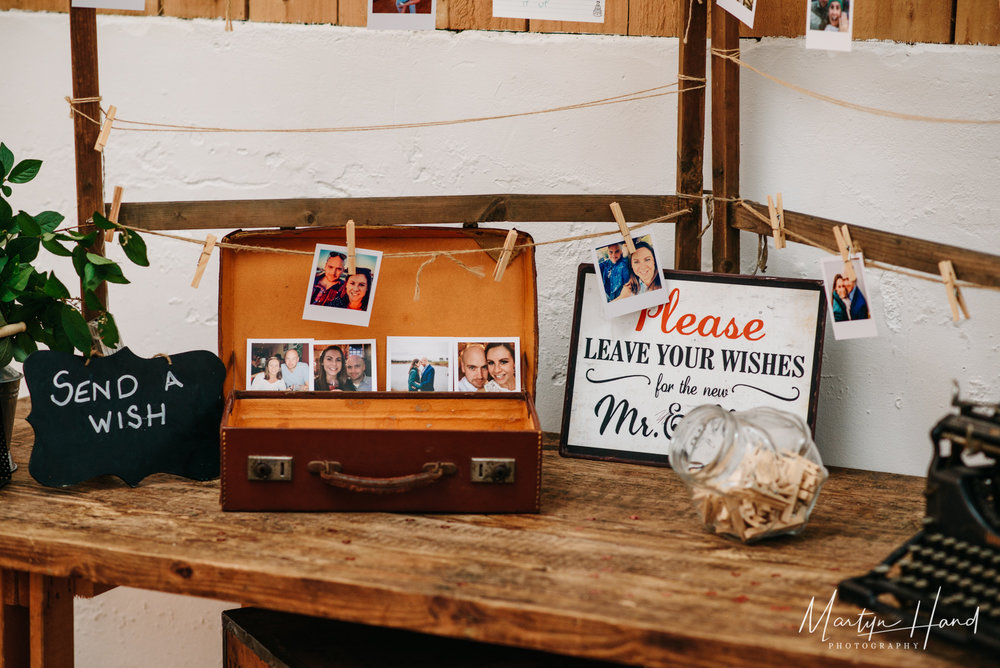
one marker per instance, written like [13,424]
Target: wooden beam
[89,172]
[251,214]
[895,249]
[693,19]
[725,141]
[51,618]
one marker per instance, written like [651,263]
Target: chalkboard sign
[124,415]
[736,341]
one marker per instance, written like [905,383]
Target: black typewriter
[950,570]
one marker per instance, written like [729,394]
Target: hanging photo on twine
[848,298]
[402,14]
[334,294]
[744,10]
[829,24]
[630,280]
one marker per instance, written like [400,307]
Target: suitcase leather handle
[331,474]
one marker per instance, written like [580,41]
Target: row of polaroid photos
[415,364]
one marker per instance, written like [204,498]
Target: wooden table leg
[13,619]
[51,620]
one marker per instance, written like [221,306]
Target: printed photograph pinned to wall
[585,11]
[829,25]
[487,364]
[419,363]
[848,298]
[333,295]
[402,14]
[631,281]
[744,10]
[276,365]
[345,366]
[130,5]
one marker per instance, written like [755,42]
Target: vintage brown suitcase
[387,451]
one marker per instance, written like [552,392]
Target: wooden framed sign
[736,341]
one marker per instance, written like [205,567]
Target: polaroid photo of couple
[631,281]
[848,299]
[402,14]
[448,364]
[333,295]
[829,24]
[304,365]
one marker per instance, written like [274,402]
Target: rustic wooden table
[615,567]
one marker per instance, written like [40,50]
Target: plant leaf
[6,190]
[111,273]
[56,248]
[90,278]
[24,249]
[49,220]
[6,159]
[108,329]
[135,248]
[99,259]
[76,329]
[79,260]
[102,223]
[54,288]
[28,224]
[23,346]
[91,300]
[24,171]
[12,290]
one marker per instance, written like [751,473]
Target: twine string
[646,94]
[733,56]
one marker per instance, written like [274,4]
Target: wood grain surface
[615,567]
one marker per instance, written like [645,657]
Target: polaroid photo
[744,10]
[347,365]
[334,296]
[419,363]
[631,282]
[279,364]
[829,24]
[486,364]
[130,5]
[402,14]
[585,11]
[849,301]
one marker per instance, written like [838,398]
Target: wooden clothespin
[351,252]
[206,252]
[116,205]
[616,211]
[102,139]
[843,238]
[955,297]
[777,221]
[508,249]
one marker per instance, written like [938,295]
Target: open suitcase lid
[262,294]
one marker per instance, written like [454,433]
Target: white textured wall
[879,398]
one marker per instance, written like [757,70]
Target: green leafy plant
[39,299]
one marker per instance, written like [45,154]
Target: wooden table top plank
[616,566]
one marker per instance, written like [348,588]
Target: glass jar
[752,474]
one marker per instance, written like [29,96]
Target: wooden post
[14,631]
[89,175]
[725,141]
[51,618]
[693,18]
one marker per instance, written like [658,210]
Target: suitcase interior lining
[399,412]
[262,295]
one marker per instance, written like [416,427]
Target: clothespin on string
[777,221]
[616,211]
[844,243]
[955,298]
[102,138]
[116,205]
[508,249]
[351,251]
[206,252]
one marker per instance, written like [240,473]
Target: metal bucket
[10,383]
